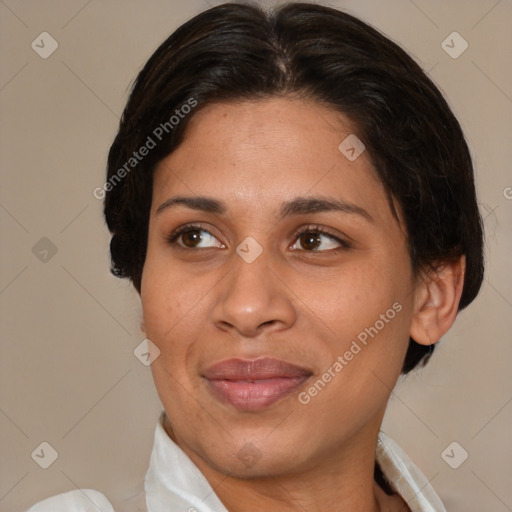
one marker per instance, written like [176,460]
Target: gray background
[68,373]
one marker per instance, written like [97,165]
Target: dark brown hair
[239,51]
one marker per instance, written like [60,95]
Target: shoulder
[79,500]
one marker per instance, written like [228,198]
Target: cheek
[368,310]
[355,298]
[167,297]
[174,319]
[169,306]
[364,363]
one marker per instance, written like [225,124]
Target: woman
[294,201]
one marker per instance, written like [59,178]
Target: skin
[303,303]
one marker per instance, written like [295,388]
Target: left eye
[311,240]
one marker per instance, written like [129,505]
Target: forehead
[261,153]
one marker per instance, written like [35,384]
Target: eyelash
[344,245]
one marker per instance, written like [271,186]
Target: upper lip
[254,369]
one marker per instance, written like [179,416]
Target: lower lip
[253,396]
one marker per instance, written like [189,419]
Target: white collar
[174,482]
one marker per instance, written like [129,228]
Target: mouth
[252,385]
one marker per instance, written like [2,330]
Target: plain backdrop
[69,376]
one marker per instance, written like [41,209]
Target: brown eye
[192,236]
[310,240]
[313,237]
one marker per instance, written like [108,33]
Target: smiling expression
[269,252]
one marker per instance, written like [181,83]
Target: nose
[253,299]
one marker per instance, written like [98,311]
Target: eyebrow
[297,206]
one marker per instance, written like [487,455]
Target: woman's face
[279,350]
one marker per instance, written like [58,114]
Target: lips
[254,384]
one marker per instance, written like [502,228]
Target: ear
[437,299]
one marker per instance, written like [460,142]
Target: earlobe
[437,301]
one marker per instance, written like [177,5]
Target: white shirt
[174,483]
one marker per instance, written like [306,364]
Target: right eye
[190,237]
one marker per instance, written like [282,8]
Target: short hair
[237,52]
